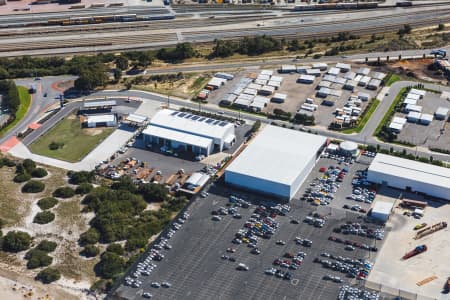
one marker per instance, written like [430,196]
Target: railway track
[145,38]
[163,24]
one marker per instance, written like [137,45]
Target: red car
[322,169]
[277,262]
[332,238]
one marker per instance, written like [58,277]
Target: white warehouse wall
[402,183]
[258,184]
[295,186]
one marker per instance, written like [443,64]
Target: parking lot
[248,90]
[427,135]
[345,187]
[195,268]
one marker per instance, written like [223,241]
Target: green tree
[84,188]
[80,177]
[115,248]
[64,192]
[47,246]
[33,186]
[29,165]
[89,237]
[122,63]
[117,74]
[22,177]
[90,251]
[440,27]
[110,265]
[44,217]
[39,173]
[16,241]
[153,192]
[47,203]
[256,126]
[48,275]
[38,258]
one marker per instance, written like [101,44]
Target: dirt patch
[417,68]
[93,131]
[71,117]
[65,85]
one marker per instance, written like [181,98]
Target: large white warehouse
[410,175]
[276,162]
[192,133]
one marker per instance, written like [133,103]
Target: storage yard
[423,274]
[425,119]
[334,95]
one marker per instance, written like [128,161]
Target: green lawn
[25,102]
[365,118]
[391,110]
[76,142]
[391,79]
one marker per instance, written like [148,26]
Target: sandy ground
[394,273]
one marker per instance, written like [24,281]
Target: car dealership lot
[195,269]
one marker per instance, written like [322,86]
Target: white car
[156,284]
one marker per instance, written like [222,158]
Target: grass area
[9,201]
[75,142]
[25,103]
[391,79]
[68,215]
[365,118]
[391,110]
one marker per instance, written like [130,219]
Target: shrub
[90,251]
[33,186]
[39,173]
[44,217]
[7,162]
[55,145]
[16,241]
[47,203]
[29,165]
[38,258]
[110,265]
[21,177]
[64,192]
[84,188]
[89,237]
[80,177]
[48,275]
[115,248]
[47,246]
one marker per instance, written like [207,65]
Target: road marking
[9,144]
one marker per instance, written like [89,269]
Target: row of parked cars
[347,292]
[352,245]
[146,267]
[353,268]
[361,230]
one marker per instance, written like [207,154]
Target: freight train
[106,19]
[330,6]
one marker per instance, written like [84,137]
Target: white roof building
[306,78]
[413,116]
[396,127]
[343,67]
[422,93]
[413,96]
[410,175]
[441,113]
[382,209]
[181,125]
[108,120]
[334,71]
[266,72]
[216,82]
[288,69]
[411,107]
[410,101]
[276,78]
[279,98]
[275,84]
[273,163]
[363,71]
[135,118]
[426,119]
[314,72]
[399,120]
[320,65]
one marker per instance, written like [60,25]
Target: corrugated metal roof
[177,136]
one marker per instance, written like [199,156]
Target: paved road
[39,102]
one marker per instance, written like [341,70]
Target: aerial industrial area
[224,149]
